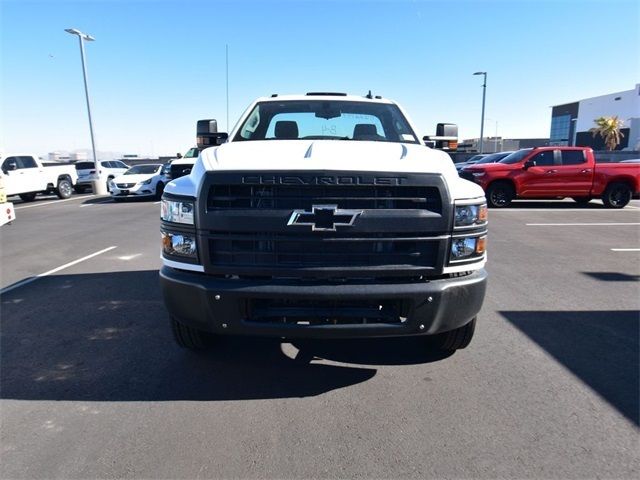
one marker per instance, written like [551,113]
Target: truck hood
[140,177]
[327,155]
[492,167]
[339,155]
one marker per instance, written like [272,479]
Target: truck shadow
[600,347]
[105,337]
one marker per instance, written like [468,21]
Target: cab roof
[326,96]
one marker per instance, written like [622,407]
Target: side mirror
[446,137]
[528,164]
[207,134]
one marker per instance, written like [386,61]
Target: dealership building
[571,122]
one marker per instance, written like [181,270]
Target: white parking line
[627,209]
[57,269]
[95,203]
[625,249]
[578,224]
[53,202]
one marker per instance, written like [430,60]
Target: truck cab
[322,216]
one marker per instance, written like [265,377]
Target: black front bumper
[221,305]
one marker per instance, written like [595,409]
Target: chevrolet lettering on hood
[320,180]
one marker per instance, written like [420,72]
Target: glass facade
[560,129]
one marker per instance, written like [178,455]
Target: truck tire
[581,200]
[187,337]
[458,338]
[500,194]
[64,188]
[28,197]
[617,195]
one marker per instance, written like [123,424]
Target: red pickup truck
[554,172]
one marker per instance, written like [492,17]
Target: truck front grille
[294,197]
[398,225]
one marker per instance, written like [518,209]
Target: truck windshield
[142,169]
[192,153]
[326,120]
[516,157]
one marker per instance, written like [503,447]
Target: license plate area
[327,312]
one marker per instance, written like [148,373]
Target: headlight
[467,248]
[176,211]
[146,182]
[179,244]
[469,215]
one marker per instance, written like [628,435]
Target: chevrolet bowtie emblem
[324,218]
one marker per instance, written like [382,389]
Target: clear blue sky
[158,66]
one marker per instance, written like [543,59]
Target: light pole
[484,93]
[495,138]
[99,188]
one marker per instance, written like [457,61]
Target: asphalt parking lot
[92,385]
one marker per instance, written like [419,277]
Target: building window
[560,128]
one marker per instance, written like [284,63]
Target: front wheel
[500,195]
[458,338]
[187,337]
[28,197]
[64,188]
[617,195]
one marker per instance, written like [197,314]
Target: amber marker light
[481,245]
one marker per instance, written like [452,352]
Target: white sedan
[140,181]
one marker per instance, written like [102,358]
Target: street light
[495,139]
[484,93]
[99,188]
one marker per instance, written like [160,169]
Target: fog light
[179,244]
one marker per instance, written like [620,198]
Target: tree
[609,129]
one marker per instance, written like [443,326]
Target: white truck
[182,165]
[25,175]
[322,215]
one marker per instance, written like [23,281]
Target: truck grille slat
[279,250]
[276,197]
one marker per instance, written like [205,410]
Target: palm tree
[609,129]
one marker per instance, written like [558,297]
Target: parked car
[109,169]
[26,176]
[7,212]
[470,161]
[557,172]
[492,158]
[146,180]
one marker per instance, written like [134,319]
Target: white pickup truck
[322,215]
[25,175]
